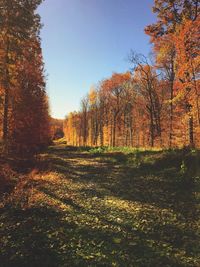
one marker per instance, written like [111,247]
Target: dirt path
[84,209]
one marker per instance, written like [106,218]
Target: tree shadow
[100,235]
[159,182]
[45,237]
[24,238]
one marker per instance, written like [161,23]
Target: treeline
[155,104]
[24,114]
[56,126]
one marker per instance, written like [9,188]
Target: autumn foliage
[24,115]
[157,104]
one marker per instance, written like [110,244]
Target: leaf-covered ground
[82,208]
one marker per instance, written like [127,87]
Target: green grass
[104,207]
[125,150]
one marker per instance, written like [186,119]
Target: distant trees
[112,114]
[103,114]
[158,103]
[23,100]
[56,128]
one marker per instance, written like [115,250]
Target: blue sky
[85,41]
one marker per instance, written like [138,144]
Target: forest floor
[81,207]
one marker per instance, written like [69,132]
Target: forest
[156,104]
[117,182]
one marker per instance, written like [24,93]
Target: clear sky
[85,41]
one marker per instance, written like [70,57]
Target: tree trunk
[152,130]
[171,117]
[101,133]
[191,131]
[6,87]
[114,132]
[172,77]
[5,116]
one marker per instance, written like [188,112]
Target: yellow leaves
[164,48]
[92,96]
[135,207]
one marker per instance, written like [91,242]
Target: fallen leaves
[100,216]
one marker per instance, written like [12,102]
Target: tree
[25,108]
[164,51]
[18,23]
[29,128]
[114,89]
[158,103]
[84,119]
[187,46]
[172,15]
[146,77]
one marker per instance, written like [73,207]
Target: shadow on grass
[43,237]
[161,233]
[159,183]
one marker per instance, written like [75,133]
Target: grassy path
[84,209]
